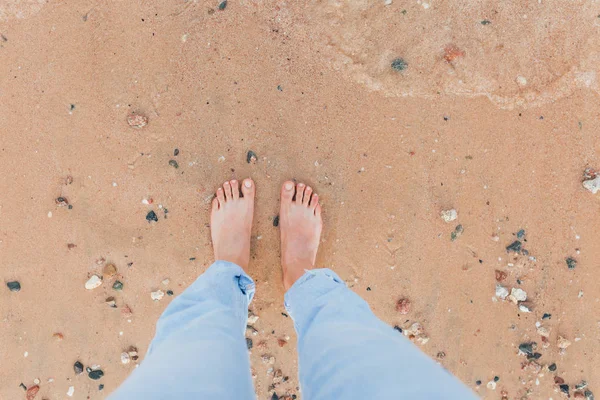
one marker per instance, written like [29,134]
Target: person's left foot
[231,222]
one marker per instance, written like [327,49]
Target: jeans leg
[346,352]
[199,350]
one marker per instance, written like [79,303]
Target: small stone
[101,386]
[58,336]
[274,397]
[546,316]
[96,374]
[71,391]
[478,382]
[449,215]
[524,308]
[403,306]
[176,152]
[500,275]
[527,348]
[125,359]
[36,381]
[61,201]
[593,185]
[118,285]
[515,247]
[517,294]
[31,392]
[491,385]
[563,343]
[571,263]
[111,302]
[151,216]
[542,331]
[136,120]
[578,395]
[222,5]
[166,281]
[399,64]
[501,292]
[564,389]
[277,377]
[458,231]
[94,282]
[252,318]
[13,286]
[157,295]
[452,52]
[251,157]
[78,367]
[170,293]
[132,351]
[387,2]
[174,164]
[589,395]
[552,367]
[441,355]
[581,385]
[281,342]
[276,221]
[109,271]
[249,343]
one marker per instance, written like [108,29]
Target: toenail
[248,184]
[289,186]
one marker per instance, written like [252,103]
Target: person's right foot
[300,224]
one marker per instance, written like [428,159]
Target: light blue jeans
[345,352]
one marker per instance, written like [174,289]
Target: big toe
[287,192]
[248,188]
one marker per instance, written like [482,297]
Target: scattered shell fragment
[94,282]
[111,302]
[593,185]
[157,295]
[563,343]
[524,308]
[544,332]
[252,318]
[449,215]
[517,295]
[71,391]
[251,157]
[501,292]
[125,358]
[61,201]
[137,120]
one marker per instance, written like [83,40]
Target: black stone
[397,328]
[564,389]
[588,395]
[284,314]
[552,367]
[151,216]
[496,378]
[368,288]
[101,386]
[174,164]
[478,383]
[276,220]
[118,285]
[170,293]
[534,356]
[571,263]
[514,247]
[251,157]
[527,348]
[176,152]
[486,22]
[248,343]
[274,397]
[399,64]
[521,234]
[222,5]
[96,374]
[22,385]
[13,286]
[78,367]
[546,316]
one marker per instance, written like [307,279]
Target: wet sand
[385,151]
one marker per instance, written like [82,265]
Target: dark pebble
[274,397]
[78,367]
[101,386]
[251,157]
[399,64]
[276,220]
[22,385]
[521,234]
[118,285]
[61,201]
[173,164]
[223,5]
[192,258]
[571,263]
[95,375]
[496,378]
[368,288]
[564,389]
[534,356]
[13,286]
[397,328]
[552,367]
[279,88]
[284,314]
[527,348]
[478,383]
[486,22]
[72,107]
[514,247]
[151,216]
[588,395]
[176,152]
[546,316]
[248,343]
[169,293]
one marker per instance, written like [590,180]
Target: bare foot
[231,222]
[301,224]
